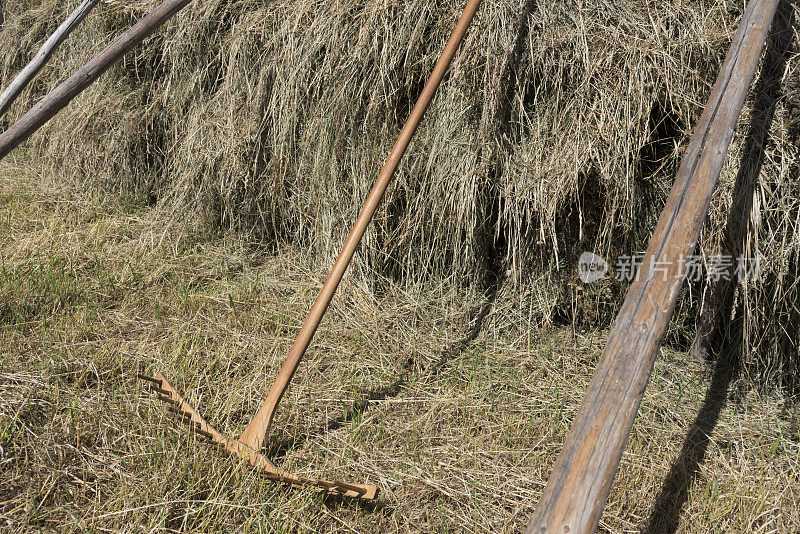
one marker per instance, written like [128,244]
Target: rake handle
[256,432]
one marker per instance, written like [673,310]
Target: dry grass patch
[456,405]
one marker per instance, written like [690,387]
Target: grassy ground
[455,404]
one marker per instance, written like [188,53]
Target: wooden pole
[579,484]
[53,42]
[86,75]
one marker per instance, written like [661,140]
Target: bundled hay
[557,132]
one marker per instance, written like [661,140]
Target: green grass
[93,291]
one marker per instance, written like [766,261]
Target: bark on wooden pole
[86,75]
[579,484]
[43,55]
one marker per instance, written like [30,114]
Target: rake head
[237,449]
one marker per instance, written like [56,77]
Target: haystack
[557,132]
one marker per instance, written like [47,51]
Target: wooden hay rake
[246,447]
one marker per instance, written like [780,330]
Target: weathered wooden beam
[580,482]
[43,55]
[86,75]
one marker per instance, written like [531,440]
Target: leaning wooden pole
[22,79]
[86,75]
[579,484]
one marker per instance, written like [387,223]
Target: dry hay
[457,413]
[558,130]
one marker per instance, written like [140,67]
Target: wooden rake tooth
[186,418]
[183,416]
[194,426]
[147,378]
[161,391]
[171,408]
[168,399]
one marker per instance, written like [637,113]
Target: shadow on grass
[718,328]
[476,318]
[665,517]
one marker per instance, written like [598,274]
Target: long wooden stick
[43,55]
[86,75]
[579,484]
[256,432]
